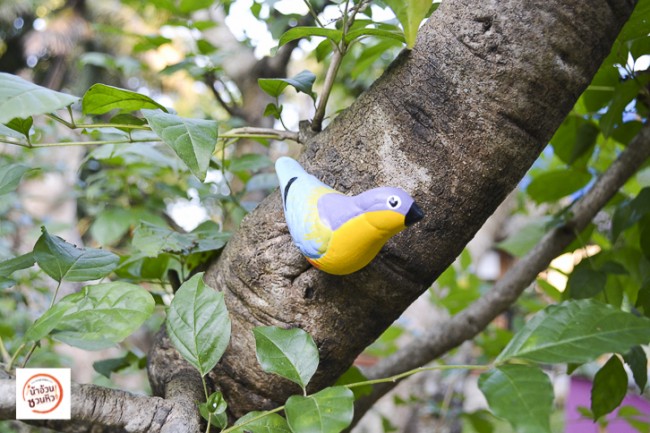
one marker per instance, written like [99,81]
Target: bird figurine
[337,233]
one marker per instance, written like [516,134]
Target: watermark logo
[43,393]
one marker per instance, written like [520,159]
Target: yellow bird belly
[355,243]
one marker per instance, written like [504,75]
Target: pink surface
[580,395]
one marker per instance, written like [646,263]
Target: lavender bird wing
[300,194]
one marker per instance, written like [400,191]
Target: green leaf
[126,119]
[152,240]
[10,176]
[574,138]
[521,394]
[198,324]
[100,99]
[522,241]
[354,375]
[638,362]
[480,420]
[624,93]
[270,423]
[187,6]
[410,14]
[20,98]
[290,353]
[7,267]
[63,261]
[554,184]
[381,33]
[249,161]
[577,331]
[644,236]
[5,131]
[193,140]
[585,281]
[111,225]
[273,110]
[601,90]
[97,317]
[629,213]
[634,417]
[371,54]
[609,388]
[106,367]
[302,82]
[327,411]
[214,410]
[305,32]
[21,125]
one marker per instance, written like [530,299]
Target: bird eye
[393,202]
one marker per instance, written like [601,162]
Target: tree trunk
[456,122]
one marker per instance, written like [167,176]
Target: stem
[317,122]
[313,13]
[13,358]
[335,64]
[372,382]
[205,391]
[80,143]
[6,358]
[29,354]
[56,292]
[253,132]
[73,125]
[399,376]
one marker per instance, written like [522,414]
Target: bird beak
[414,215]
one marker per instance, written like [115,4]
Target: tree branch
[96,409]
[457,138]
[469,322]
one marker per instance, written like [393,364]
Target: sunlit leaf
[20,98]
[381,33]
[152,240]
[100,99]
[97,317]
[193,140]
[410,14]
[305,32]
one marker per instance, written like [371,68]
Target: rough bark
[456,122]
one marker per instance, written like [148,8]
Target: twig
[330,76]
[253,132]
[469,322]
